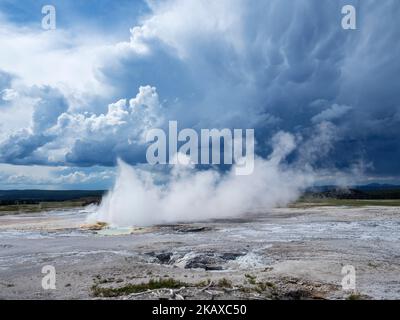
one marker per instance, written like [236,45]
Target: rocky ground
[286,253]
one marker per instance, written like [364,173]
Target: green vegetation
[259,287]
[136,288]
[43,206]
[331,202]
[15,201]
[369,195]
[225,283]
[355,296]
[250,278]
[204,283]
[153,284]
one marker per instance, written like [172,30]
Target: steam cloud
[192,195]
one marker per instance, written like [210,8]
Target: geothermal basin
[285,253]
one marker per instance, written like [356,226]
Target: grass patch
[372,265]
[204,283]
[169,283]
[250,278]
[355,296]
[225,283]
[263,286]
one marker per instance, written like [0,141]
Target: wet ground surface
[285,253]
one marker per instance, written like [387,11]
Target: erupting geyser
[193,195]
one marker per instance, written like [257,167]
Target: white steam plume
[192,195]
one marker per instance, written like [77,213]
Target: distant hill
[377,186]
[36,196]
[367,192]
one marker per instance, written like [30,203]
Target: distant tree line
[355,194]
[19,197]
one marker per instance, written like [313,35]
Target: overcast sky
[74,99]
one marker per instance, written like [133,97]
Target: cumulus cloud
[47,104]
[118,132]
[48,177]
[58,136]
